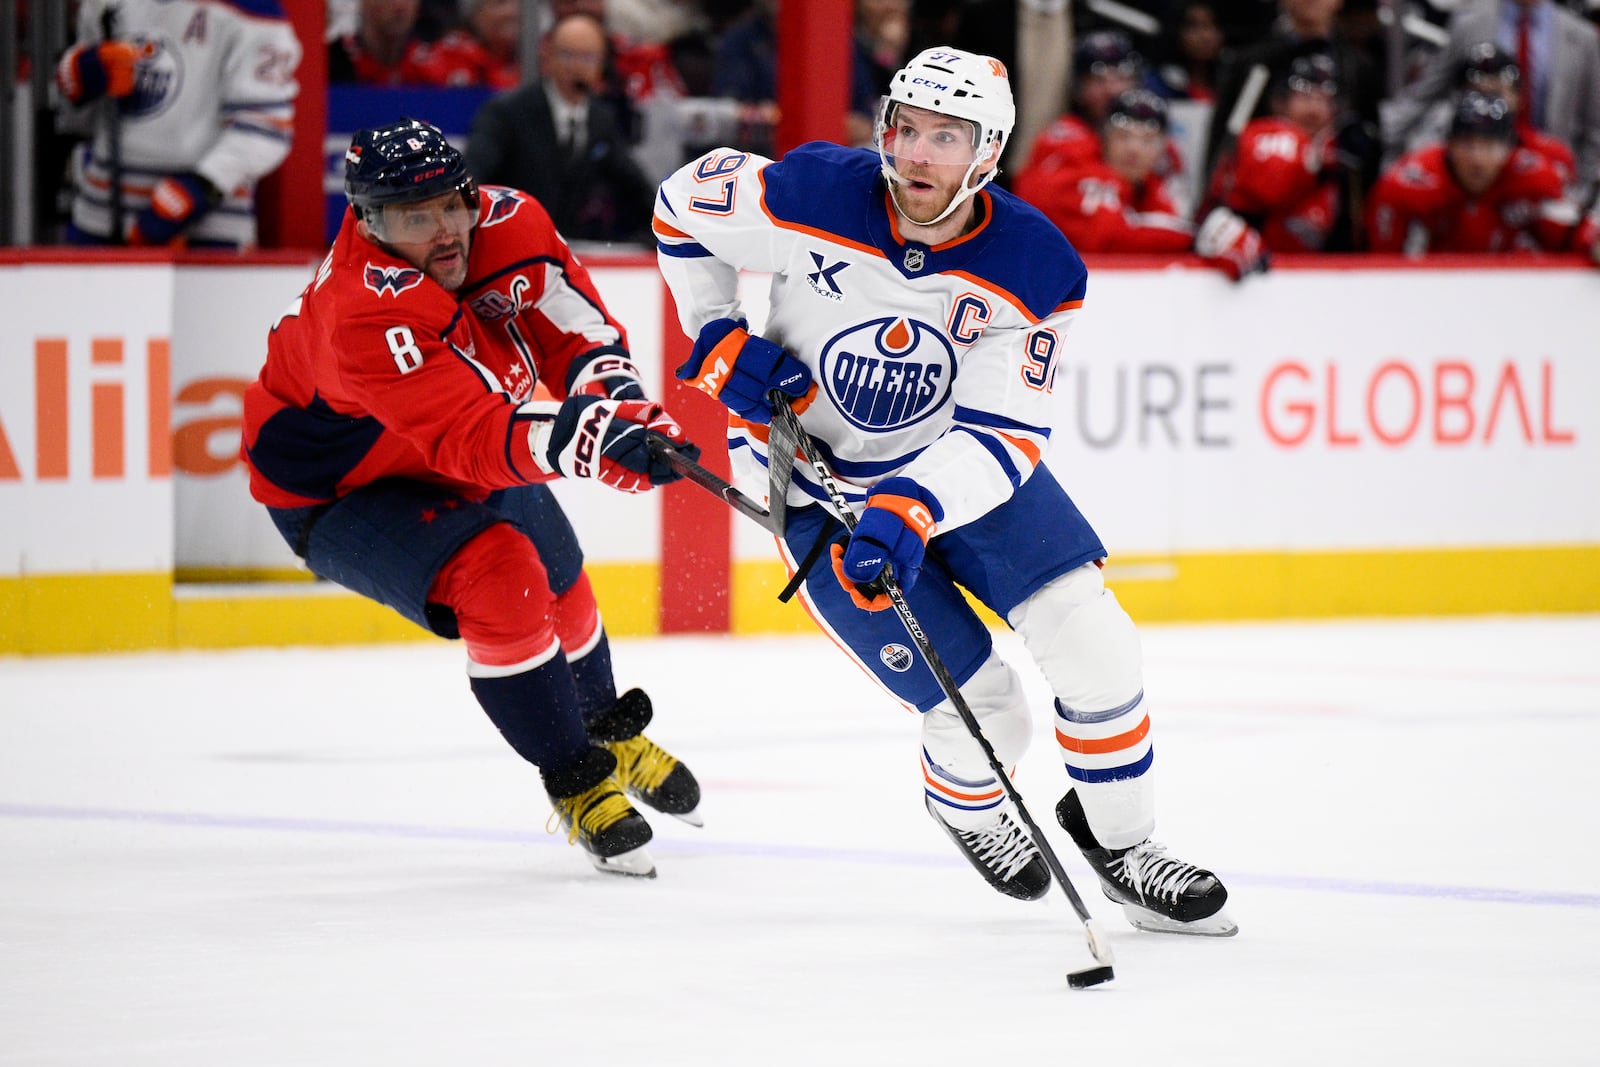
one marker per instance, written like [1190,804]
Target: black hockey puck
[1090,976]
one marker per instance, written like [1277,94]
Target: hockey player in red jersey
[918,317]
[1480,191]
[1104,66]
[1116,202]
[396,440]
[1281,179]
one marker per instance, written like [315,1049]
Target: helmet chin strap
[894,177]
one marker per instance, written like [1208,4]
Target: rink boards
[1340,437]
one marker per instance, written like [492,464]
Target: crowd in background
[1232,128]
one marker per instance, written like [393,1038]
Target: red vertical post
[696,527]
[289,200]
[814,70]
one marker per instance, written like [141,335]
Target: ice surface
[330,857]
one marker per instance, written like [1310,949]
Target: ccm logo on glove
[740,369]
[892,532]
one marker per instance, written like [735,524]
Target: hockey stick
[662,447]
[113,110]
[1099,947]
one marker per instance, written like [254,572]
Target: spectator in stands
[1283,176]
[483,50]
[1187,54]
[1302,26]
[1115,202]
[1479,191]
[1104,66]
[1558,59]
[1489,69]
[559,141]
[383,49]
[200,118]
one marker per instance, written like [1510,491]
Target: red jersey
[1417,205]
[1101,211]
[1552,148]
[458,58]
[1274,179]
[414,67]
[376,371]
[1070,142]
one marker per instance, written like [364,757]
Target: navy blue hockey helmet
[1482,115]
[401,162]
[1105,52]
[1310,72]
[1487,62]
[1138,107]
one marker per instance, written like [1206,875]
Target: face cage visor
[414,222]
[939,140]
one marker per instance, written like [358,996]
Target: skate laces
[1152,873]
[1003,847]
[590,812]
[641,763]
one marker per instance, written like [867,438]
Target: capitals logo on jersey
[392,280]
[503,204]
[888,373]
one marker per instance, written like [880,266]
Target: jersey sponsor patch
[391,280]
[888,373]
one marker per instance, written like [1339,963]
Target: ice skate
[589,803]
[610,831]
[1003,853]
[647,771]
[1158,892]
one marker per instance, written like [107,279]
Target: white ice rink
[330,857]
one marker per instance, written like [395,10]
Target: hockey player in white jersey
[918,315]
[204,95]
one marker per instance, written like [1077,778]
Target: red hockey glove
[176,203]
[587,437]
[740,369]
[605,372]
[89,71]
[1230,244]
[892,532]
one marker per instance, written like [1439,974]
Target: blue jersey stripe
[1112,774]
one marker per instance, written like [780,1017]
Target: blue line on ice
[1475,894]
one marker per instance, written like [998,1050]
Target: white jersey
[934,363]
[214,95]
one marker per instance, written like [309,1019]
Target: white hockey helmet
[962,85]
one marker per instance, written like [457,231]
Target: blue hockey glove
[89,71]
[176,203]
[606,440]
[605,372]
[740,369]
[892,532]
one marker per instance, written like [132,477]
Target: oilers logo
[896,657]
[888,373]
[157,78]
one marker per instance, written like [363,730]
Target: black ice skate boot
[1157,892]
[647,771]
[1003,853]
[589,802]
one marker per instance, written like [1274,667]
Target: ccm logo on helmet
[930,83]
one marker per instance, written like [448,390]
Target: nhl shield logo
[915,258]
[896,657]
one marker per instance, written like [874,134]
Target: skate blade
[693,818]
[635,863]
[1218,925]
